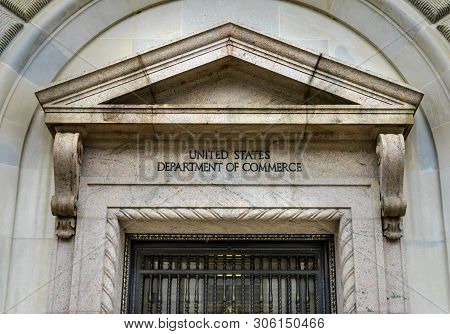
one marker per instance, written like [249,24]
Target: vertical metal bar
[205,286]
[308,306]
[169,288]
[261,281]
[298,297]
[270,286]
[159,294]
[243,283]
[224,297]
[159,287]
[233,284]
[149,294]
[178,297]
[186,287]
[150,290]
[320,288]
[196,292]
[280,297]
[314,292]
[289,288]
[252,283]
[215,286]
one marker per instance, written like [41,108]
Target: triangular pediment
[229,81]
[251,55]
[229,75]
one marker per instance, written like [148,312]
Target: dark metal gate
[230,274]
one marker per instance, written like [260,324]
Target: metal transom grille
[229,277]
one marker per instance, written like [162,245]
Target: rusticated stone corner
[67,154]
[391,159]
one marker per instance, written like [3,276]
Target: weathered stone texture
[67,153]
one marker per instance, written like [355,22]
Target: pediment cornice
[235,41]
[373,100]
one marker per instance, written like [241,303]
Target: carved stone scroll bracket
[391,159]
[67,155]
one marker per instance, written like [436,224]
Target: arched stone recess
[51,37]
[282,89]
[120,220]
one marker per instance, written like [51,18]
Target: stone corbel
[391,159]
[67,155]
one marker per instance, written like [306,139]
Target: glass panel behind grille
[226,279]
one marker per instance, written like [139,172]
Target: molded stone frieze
[391,159]
[67,155]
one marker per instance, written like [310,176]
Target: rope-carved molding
[110,264]
[347,264]
[391,158]
[112,234]
[67,155]
[217,214]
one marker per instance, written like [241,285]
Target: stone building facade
[224,156]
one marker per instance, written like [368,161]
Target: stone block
[441,135]
[261,15]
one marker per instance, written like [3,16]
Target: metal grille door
[230,277]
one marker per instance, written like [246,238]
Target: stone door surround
[119,219]
[331,101]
